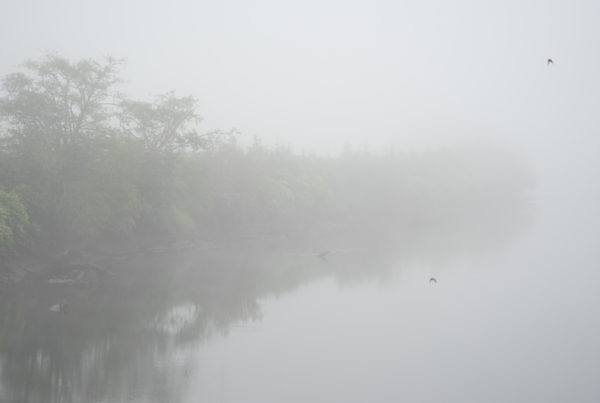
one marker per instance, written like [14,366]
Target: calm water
[522,326]
[512,318]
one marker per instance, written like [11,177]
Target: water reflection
[132,339]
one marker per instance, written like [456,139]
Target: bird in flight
[323,255]
[549,62]
[432,280]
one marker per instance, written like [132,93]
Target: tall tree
[166,128]
[168,124]
[57,118]
[55,103]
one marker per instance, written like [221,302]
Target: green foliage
[14,222]
[101,192]
[88,164]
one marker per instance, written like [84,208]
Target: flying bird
[549,62]
[432,280]
[323,255]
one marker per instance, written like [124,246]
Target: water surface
[512,318]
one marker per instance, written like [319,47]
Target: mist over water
[516,325]
[376,146]
[510,321]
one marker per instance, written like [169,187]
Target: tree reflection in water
[132,339]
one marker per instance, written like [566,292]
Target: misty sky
[318,74]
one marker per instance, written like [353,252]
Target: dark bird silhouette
[323,255]
[432,280]
[549,62]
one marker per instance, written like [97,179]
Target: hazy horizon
[316,76]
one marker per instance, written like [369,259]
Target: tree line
[81,163]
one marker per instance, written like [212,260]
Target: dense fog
[299,202]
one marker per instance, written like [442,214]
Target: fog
[355,150]
[319,74]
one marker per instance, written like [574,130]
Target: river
[513,317]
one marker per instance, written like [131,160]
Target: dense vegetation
[81,164]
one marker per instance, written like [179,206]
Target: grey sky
[317,74]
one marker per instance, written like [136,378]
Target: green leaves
[14,222]
[89,163]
